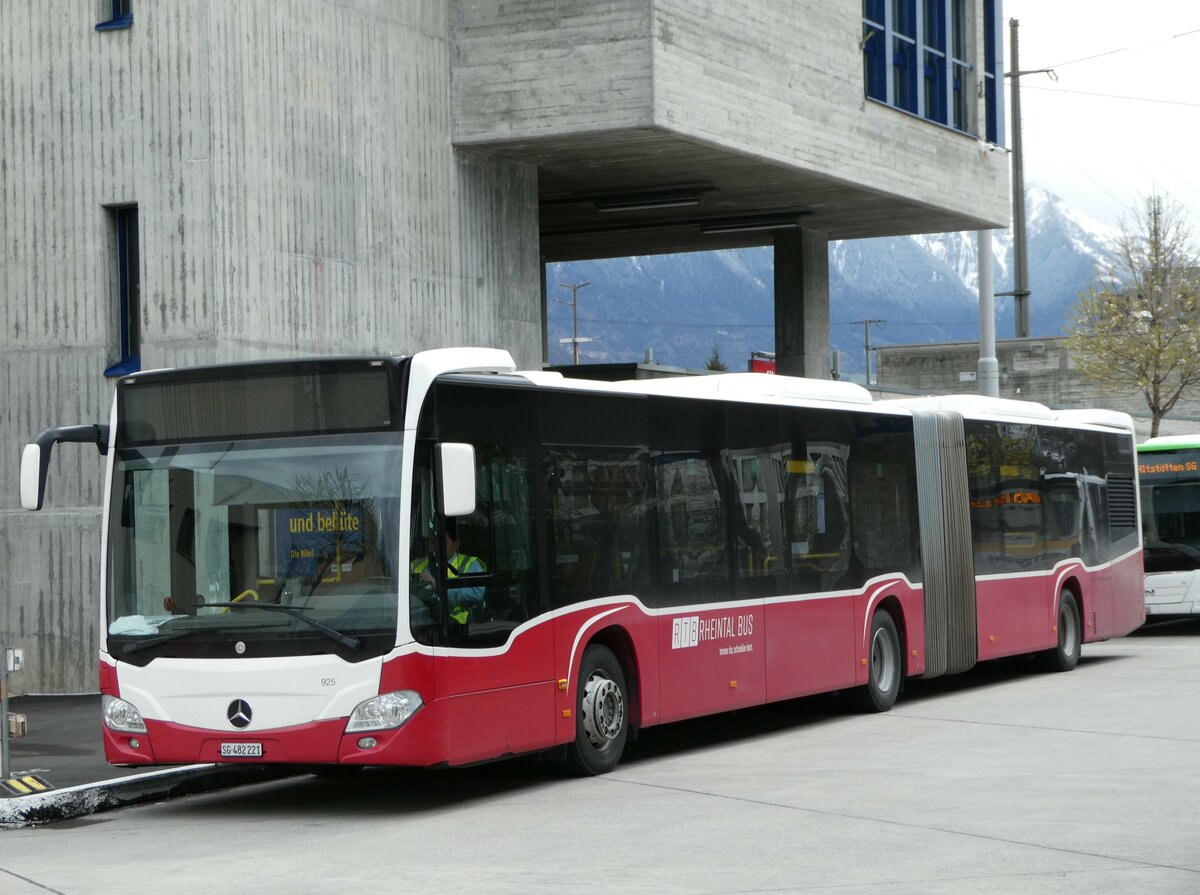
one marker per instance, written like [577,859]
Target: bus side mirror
[456,479]
[34,462]
[35,459]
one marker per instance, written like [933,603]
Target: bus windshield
[266,548]
[1170,492]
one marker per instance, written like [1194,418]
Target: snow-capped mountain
[924,288]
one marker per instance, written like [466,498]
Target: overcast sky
[1123,118]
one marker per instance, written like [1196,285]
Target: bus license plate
[241,750]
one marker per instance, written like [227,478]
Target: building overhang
[655,129]
[648,191]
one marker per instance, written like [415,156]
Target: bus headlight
[385,712]
[121,716]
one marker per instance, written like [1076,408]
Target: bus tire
[1065,655]
[601,713]
[884,665]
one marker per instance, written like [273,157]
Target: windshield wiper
[138,645]
[346,640]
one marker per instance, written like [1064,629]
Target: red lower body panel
[420,742]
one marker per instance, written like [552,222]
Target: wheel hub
[603,711]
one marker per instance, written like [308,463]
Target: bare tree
[1138,325]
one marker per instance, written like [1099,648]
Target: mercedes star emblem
[239,714]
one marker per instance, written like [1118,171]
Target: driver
[463,598]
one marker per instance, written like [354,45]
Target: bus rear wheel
[884,666]
[1065,655]
[601,715]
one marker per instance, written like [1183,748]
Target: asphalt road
[1000,780]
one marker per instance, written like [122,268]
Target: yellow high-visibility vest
[459,564]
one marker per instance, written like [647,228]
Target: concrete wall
[298,194]
[498,271]
[529,70]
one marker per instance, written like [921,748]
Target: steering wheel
[425,593]
[422,592]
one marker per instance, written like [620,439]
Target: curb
[90,798]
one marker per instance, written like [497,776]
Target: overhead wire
[718,325]
[1119,97]
[1113,52]
[675,323]
[1138,99]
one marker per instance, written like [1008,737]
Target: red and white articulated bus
[435,560]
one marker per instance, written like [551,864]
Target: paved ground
[63,750]
[1002,780]
[1149,700]
[63,743]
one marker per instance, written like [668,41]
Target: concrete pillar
[802,303]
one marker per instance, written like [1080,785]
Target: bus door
[477,598]
[1096,548]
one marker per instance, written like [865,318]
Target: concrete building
[1030,369]
[189,183]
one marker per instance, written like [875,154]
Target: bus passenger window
[599,511]
[692,562]
[758,519]
[1021,500]
[817,512]
[983,471]
[883,492]
[756,461]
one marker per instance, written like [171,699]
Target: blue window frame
[905,57]
[874,52]
[936,59]
[993,73]
[916,57]
[122,16]
[129,305]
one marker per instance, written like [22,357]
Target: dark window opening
[129,306]
[993,73]
[122,16]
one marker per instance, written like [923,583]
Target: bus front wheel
[601,715]
[884,665]
[1065,655]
